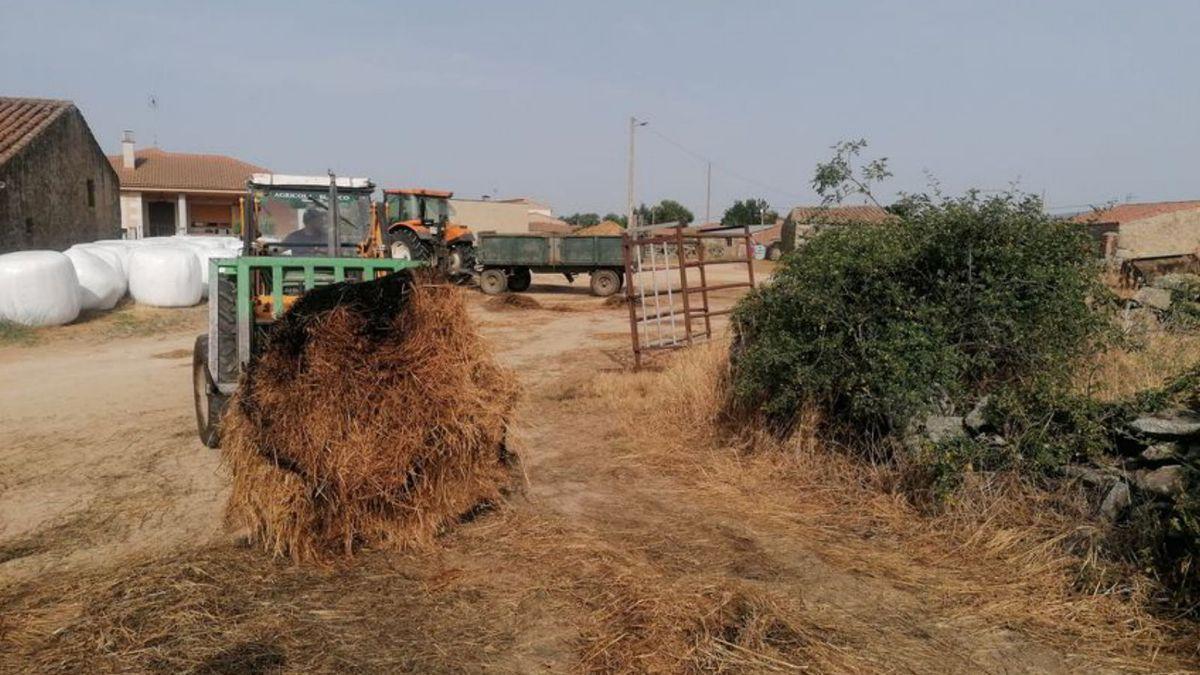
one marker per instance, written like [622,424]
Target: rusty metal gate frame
[655,309]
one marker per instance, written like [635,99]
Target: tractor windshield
[408,207]
[297,221]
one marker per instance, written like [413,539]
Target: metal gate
[659,292]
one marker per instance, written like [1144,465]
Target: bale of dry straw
[374,416]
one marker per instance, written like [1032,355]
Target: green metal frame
[312,271]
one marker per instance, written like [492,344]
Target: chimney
[127,149]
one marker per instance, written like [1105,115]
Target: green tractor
[299,233]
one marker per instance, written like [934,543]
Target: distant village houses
[169,193]
[56,186]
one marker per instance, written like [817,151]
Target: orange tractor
[416,226]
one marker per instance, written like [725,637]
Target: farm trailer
[507,262]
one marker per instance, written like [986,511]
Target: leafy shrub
[879,324]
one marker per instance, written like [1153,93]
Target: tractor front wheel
[210,402]
[493,282]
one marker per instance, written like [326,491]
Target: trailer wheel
[493,282]
[605,283]
[520,280]
[210,403]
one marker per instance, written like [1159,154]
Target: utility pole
[633,125]
[708,196]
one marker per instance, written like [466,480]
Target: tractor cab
[307,215]
[419,228]
[418,207]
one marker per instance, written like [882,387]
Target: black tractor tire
[406,245]
[520,280]
[493,282]
[605,282]
[210,403]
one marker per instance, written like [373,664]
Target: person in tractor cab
[313,232]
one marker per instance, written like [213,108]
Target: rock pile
[1172,299]
[1154,452]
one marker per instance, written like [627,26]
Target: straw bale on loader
[375,416]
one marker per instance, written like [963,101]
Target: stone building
[805,221]
[56,186]
[1144,231]
[168,193]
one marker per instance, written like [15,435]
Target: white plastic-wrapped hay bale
[108,254]
[119,248]
[38,288]
[100,284]
[165,276]
[205,256]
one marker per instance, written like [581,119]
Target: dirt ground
[100,470]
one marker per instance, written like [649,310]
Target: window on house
[91,185]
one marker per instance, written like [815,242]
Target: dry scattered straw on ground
[526,594]
[1001,553]
[373,417]
[511,301]
[515,302]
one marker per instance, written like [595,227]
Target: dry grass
[1004,553]
[1154,360]
[367,423]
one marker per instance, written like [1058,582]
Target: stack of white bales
[43,288]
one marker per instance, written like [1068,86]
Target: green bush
[880,324]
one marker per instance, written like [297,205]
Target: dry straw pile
[374,416]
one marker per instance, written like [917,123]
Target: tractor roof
[292,181]
[420,192]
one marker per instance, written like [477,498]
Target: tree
[623,221]
[749,212]
[838,178]
[582,219]
[666,211]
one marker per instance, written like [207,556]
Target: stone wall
[45,201]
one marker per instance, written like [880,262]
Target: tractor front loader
[299,233]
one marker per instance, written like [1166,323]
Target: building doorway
[161,219]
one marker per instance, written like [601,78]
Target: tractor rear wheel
[520,280]
[406,245]
[493,282]
[605,283]
[210,403]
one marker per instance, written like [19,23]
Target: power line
[724,169]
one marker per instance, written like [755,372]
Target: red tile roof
[156,169]
[22,119]
[1123,213]
[865,213]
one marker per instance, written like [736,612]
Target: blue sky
[1083,101]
